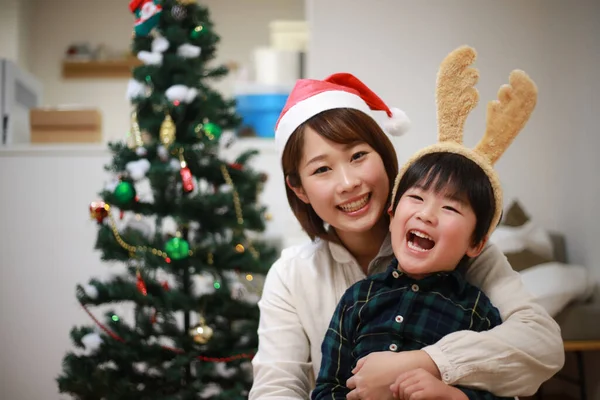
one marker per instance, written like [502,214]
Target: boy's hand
[375,372]
[419,384]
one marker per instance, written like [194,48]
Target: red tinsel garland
[173,349]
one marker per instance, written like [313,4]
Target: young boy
[446,201]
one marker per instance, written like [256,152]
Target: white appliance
[20,91]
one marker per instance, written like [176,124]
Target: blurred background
[73,55]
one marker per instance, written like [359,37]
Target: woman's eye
[358,155]
[320,170]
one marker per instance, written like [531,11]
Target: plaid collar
[436,279]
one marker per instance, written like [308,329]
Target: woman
[339,168]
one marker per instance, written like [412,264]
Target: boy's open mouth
[419,241]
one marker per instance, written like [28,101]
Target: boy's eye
[414,196]
[452,209]
[358,155]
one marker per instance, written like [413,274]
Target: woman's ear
[298,190]
[476,249]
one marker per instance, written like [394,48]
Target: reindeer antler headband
[456,96]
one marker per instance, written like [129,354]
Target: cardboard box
[50,125]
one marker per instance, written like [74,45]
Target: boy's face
[431,232]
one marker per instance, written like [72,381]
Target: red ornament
[141,285]
[99,210]
[165,286]
[186,179]
[237,166]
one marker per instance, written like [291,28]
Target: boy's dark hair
[457,174]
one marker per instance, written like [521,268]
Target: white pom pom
[141,151]
[90,291]
[137,169]
[191,95]
[188,51]
[160,45]
[92,342]
[398,124]
[163,153]
[150,58]
[177,92]
[136,89]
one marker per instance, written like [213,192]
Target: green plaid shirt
[391,311]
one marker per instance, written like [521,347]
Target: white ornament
[160,44]
[175,164]
[203,284]
[163,153]
[188,51]
[138,169]
[177,93]
[141,151]
[224,371]
[111,185]
[90,291]
[210,390]
[191,95]
[91,342]
[137,89]
[149,58]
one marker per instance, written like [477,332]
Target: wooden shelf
[99,69]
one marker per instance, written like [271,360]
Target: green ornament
[212,130]
[177,248]
[197,32]
[124,192]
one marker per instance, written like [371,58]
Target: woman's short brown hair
[343,126]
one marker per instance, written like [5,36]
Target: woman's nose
[348,180]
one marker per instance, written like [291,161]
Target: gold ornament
[268,216]
[186,2]
[167,132]
[135,133]
[201,333]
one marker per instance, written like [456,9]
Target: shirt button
[393,347]
[446,377]
[399,319]
[415,288]
[395,274]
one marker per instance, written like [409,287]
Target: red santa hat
[311,97]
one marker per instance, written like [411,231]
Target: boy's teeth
[355,205]
[421,235]
[414,246]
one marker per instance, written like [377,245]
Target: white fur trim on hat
[312,106]
[398,124]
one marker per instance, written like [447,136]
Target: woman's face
[346,185]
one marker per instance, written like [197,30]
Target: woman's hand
[419,384]
[376,372]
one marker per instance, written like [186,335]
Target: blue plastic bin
[261,111]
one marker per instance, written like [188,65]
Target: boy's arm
[337,361]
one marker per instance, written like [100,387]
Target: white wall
[397,49]
[13,23]
[396,46]
[242,25]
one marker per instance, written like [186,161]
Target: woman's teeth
[355,205]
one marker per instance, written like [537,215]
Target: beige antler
[507,115]
[456,95]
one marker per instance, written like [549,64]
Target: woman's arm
[281,366]
[512,359]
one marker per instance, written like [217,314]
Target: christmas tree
[184,226]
